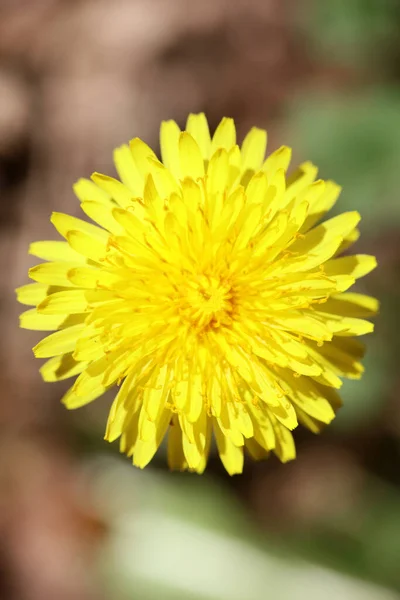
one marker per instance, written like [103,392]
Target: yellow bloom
[208,292]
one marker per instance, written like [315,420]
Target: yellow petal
[319,244]
[156,393]
[195,400]
[127,170]
[299,180]
[263,430]
[224,136]
[231,455]
[269,236]
[206,450]
[89,347]
[145,450]
[130,432]
[280,159]
[228,426]
[31,319]
[256,451]
[190,158]
[348,241]
[55,251]
[218,172]
[251,221]
[321,204]
[274,199]
[117,190]
[194,440]
[240,419]
[72,301]
[312,193]
[351,305]
[102,215]
[131,221]
[343,359]
[235,164]
[35,293]
[303,324]
[176,456]
[357,265]
[65,223]
[253,149]
[164,183]
[92,378]
[119,361]
[87,190]
[72,401]
[61,367]
[91,278]
[340,325]
[142,153]
[52,273]
[310,422]
[257,188]
[169,142]
[197,126]
[69,302]
[306,395]
[284,443]
[59,342]
[87,246]
[285,414]
[120,409]
[296,219]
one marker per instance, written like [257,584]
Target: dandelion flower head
[207,293]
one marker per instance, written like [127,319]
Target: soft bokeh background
[77,521]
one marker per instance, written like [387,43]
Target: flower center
[207,302]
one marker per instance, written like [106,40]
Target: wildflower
[208,292]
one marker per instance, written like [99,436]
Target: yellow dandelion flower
[208,292]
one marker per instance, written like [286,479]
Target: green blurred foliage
[366,543]
[355,141]
[168,543]
[355,32]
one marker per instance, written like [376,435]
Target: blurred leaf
[363,398]
[156,548]
[354,32]
[367,541]
[355,141]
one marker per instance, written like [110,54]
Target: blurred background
[77,521]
